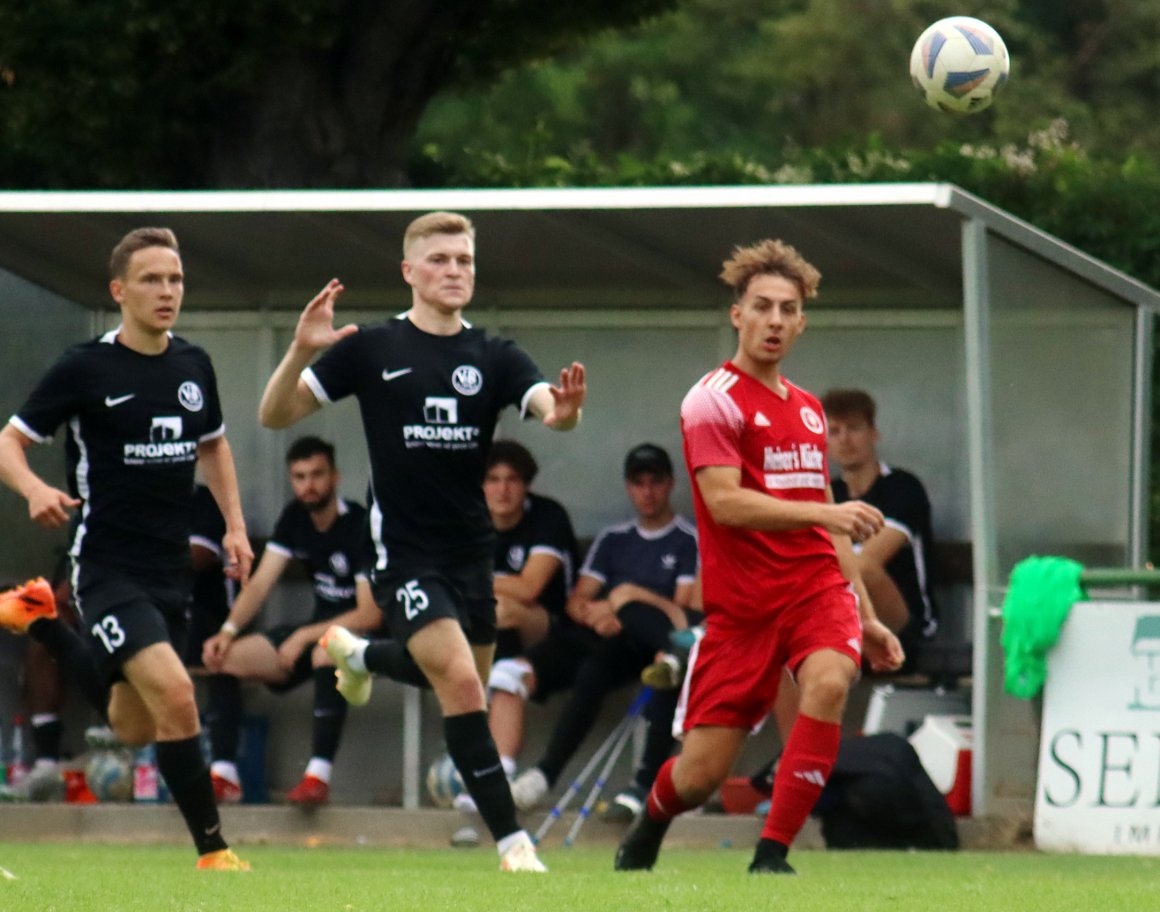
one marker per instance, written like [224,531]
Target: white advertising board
[1098,789]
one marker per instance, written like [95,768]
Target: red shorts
[734,673]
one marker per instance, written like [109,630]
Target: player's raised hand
[315,330]
[567,398]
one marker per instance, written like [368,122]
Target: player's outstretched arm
[47,506]
[245,608]
[287,399]
[560,406]
[217,465]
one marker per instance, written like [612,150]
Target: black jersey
[543,529]
[903,501]
[134,425]
[429,406]
[334,558]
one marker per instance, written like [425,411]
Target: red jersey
[730,419]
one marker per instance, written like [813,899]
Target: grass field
[126,878]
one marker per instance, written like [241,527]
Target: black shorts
[557,657]
[122,613]
[411,597]
[303,669]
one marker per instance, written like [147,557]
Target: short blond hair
[437,223]
[769,257]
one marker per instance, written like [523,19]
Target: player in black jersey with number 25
[430,388]
[142,410]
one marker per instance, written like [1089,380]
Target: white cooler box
[901,710]
[944,745]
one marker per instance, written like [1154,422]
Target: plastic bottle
[146,785]
[17,762]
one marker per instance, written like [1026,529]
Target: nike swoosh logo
[110,401]
[389,375]
[213,830]
[479,774]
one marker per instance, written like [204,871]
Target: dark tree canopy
[252,93]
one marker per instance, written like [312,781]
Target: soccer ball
[443,781]
[109,774]
[958,64]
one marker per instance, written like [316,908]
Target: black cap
[647,457]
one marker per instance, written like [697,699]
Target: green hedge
[1109,209]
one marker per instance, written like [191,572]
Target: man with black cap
[635,587]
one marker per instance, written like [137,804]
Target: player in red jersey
[781,588]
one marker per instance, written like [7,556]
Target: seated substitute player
[430,388]
[142,409]
[328,535]
[535,550]
[778,573]
[634,589]
[894,563]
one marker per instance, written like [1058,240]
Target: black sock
[46,735]
[186,775]
[329,715]
[74,660]
[223,716]
[390,659]
[769,849]
[659,741]
[473,751]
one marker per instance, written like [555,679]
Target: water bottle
[17,762]
[146,785]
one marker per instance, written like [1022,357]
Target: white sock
[357,659]
[226,769]
[509,766]
[503,845]
[319,768]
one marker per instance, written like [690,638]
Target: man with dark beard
[327,534]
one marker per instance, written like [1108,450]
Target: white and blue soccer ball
[443,781]
[109,775]
[958,64]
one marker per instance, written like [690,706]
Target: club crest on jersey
[516,556]
[339,564]
[467,380]
[189,395]
[812,420]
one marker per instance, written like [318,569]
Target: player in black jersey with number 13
[430,388]
[142,410]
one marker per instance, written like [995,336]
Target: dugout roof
[877,245]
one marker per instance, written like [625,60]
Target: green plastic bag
[1039,597]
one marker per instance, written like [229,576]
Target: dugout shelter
[1012,371]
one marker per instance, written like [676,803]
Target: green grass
[128,878]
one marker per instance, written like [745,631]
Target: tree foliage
[235,93]
[761,78]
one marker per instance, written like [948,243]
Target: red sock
[802,772]
[663,801]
